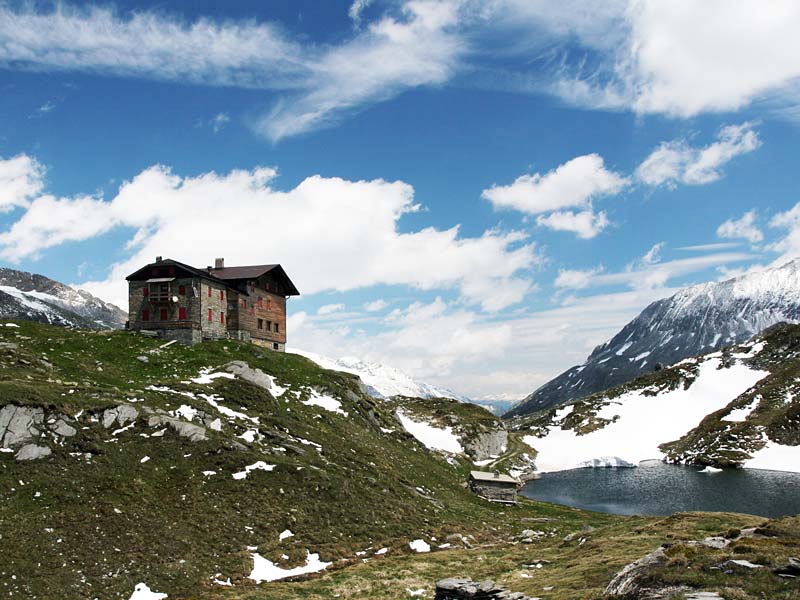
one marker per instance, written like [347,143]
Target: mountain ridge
[694,320]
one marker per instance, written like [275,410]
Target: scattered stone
[32,452]
[243,371]
[62,428]
[746,564]
[19,424]
[702,596]
[143,358]
[121,414]
[190,431]
[631,580]
[790,569]
[716,542]
[458,588]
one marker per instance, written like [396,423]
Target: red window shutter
[182,290]
[182,313]
[209,291]
[145,315]
[222,317]
[163,314]
[145,291]
[209,314]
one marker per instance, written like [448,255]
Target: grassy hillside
[165,498]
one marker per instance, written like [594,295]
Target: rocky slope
[736,407]
[37,298]
[695,320]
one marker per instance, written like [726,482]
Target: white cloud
[576,278]
[219,121]
[323,81]
[375,305]
[328,309]
[585,224]
[789,245]
[356,9]
[690,57]
[678,162]
[329,233]
[710,247]
[653,255]
[573,184]
[21,178]
[744,227]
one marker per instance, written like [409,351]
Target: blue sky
[475,191]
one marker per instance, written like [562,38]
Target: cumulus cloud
[585,224]
[328,309]
[677,162]
[744,227]
[788,222]
[21,178]
[329,233]
[375,305]
[576,278]
[573,184]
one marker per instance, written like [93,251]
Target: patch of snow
[419,592]
[185,411]
[775,457]
[142,592]
[419,546]
[710,469]
[624,347]
[259,465]
[482,463]
[206,376]
[606,462]
[218,581]
[285,534]
[641,356]
[266,570]
[430,436]
[737,415]
[11,325]
[144,459]
[209,473]
[327,402]
[644,422]
[248,436]
[382,551]
[563,412]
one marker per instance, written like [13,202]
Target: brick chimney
[219,263]
[158,259]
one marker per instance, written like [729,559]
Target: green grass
[92,520]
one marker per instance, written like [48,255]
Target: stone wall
[497,492]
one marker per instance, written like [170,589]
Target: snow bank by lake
[775,457]
[430,436]
[266,570]
[644,422]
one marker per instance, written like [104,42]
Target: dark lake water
[654,488]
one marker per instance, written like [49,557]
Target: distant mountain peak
[694,320]
[34,297]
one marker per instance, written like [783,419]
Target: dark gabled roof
[254,272]
[174,263]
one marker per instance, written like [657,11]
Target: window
[261,323]
[277,328]
[209,315]
[145,315]
[182,313]
[244,303]
[145,292]
[163,315]
[159,292]
[182,290]
[260,303]
[209,291]
[221,295]
[276,346]
[252,310]
[222,317]
[269,325]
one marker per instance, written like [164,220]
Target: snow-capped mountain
[37,298]
[382,381]
[697,319]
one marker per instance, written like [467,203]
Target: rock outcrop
[487,444]
[244,371]
[457,588]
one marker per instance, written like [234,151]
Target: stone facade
[190,305]
[494,487]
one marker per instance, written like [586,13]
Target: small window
[145,291]
[221,295]
[182,313]
[182,290]
[277,328]
[276,346]
[260,303]
[222,317]
[244,303]
[145,315]
[209,291]
[163,315]
[261,323]
[269,325]
[209,315]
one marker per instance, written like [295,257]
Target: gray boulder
[19,424]
[190,431]
[486,444]
[32,452]
[243,371]
[62,428]
[121,414]
[629,581]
